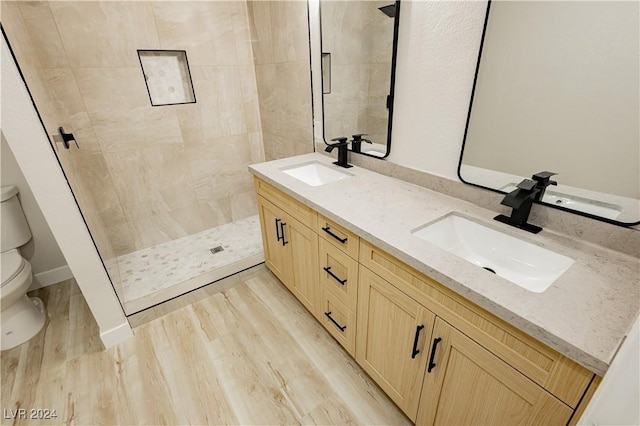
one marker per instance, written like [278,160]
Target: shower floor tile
[167,270]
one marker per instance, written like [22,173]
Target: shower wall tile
[219,110]
[167,226]
[242,33]
[228,209]
[215,212]
[280,31]
[103,33]
[121,238]
[260,27]
[250,96]
[44,33]
[220,167]
[285,108]
[248,84]
[290,40]
[256,146]
[18,35]
[151,180]
[120,111]
[243,204]
[143,174]
[50,115]
[66,100]
[252,116]
[285,96]
[204,29]
[91,170]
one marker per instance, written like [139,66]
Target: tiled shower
[164,185]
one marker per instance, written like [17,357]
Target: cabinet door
[304,262]
[277,254]
[393,335]
[468,385]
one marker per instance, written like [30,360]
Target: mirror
[359,40]
[557,89]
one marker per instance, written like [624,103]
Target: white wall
[438,47]
[617,400]
[47,262]
[30,146]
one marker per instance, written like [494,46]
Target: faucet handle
[542,178]
[527,185]
[340,140]
[358,137]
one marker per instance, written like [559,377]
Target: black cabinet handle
[341,327]
[433,354]
[278,230]
[328,231]
[335,277]
[284,241]
[415,351]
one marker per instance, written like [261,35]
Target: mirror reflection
[357,76]
[557,89]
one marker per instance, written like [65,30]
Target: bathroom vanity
[428,326]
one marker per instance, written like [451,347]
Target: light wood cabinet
[340,237]
[339,320]
[392,339]
[552,371]
[439,357]
[290,248]
[277,254]
[304,263]
[468,385]
[338,281]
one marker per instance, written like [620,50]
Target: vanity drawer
[305,215]
[338,274]
[339,320]
[340,237]
[559,375]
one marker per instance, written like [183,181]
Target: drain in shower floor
[216,250]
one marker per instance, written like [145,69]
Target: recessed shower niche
[167,76]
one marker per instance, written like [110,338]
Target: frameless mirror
[359,40]
[557,89]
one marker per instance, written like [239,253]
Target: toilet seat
[10,266]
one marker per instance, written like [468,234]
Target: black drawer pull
[433,354]
[328,231]
[335,277]
[284,241]
[415,351]
[278,229]
[341,327]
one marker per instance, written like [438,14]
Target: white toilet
[21,317]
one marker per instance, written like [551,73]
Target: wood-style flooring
[248,355]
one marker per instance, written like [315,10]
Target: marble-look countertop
[585,314]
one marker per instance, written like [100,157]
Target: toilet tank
[13,225]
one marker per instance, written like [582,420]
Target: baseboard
[53,276]
[116,335]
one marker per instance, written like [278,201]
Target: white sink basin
[524,264]
[315,173]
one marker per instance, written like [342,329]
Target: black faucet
[521,200]
[542,181]
[342,146]
[356,143]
